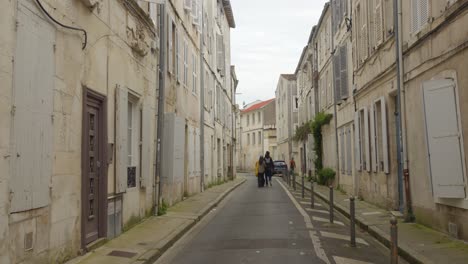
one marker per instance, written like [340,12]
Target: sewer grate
[123,254]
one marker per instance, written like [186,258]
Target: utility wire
[65,26]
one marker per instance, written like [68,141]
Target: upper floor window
[419,14]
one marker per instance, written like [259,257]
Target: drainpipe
[337,156]
[202,106]
[398,113]
[160,116]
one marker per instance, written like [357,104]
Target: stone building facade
[79,116]
[355,45]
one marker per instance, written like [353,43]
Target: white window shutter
[337,75]
[194,9]
[366,139]
[384,136]
[357,143]
[219,51]
[177,56]
[121,154]
[444,139]
[373,138]
[342,150]
[146,164]
[364,34]
[348,151]
[344,72]
[378,22]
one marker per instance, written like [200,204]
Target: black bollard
[312,200]
[303,187]
[394,241]
[331,204]
[353,221]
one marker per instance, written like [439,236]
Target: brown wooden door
[94,170]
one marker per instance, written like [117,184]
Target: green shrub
[162,209]
[326,176]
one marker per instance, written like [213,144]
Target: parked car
[280,167]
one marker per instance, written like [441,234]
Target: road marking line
[342,237]
[317,211]
[371,213]
[319,251]
[320,219]
[308,203]
[340,260]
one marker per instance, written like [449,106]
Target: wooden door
[94,180]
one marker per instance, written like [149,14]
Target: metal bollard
[312,199]
[353,221]
[294,181]
[331,204]
[303,187]
[393,241]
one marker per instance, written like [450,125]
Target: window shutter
[337,75]
[373,139]
[378,22]
[420,14]
[366,139]
[342,150]
[348,150]
[194,9]
[424,13]
[121,154]
[219,52]
[146,164]
[177,56]
[384,136]
[357,142]
[364,34]
[344,71]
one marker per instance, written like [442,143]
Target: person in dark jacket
[268,168]
[260,169]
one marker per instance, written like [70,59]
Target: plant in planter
[326,176]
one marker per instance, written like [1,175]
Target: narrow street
[265,225]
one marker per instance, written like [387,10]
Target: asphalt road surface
[272,225]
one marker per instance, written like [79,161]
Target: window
[248,120]
[361,126]
[185,80]
[253,138]
[253,118]
[194,74]
[295,103]
[259,117]
[170,43]
[133,141]
[260,137]
[419,14]
[340,69]
[379,140]
[177,55]
[248,139]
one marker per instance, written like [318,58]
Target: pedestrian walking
[260,171]
[292,165]
[268,168]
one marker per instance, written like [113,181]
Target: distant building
[258,132]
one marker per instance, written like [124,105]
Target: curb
[403,250]
[179,234]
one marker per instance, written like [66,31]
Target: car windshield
[280,163]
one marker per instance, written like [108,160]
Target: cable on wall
[65,26]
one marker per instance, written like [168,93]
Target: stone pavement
[145,242]
[417,243]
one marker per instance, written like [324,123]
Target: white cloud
[268,41]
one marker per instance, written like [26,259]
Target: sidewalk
[417,243]
[145,242]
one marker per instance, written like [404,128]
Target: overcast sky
[267,41]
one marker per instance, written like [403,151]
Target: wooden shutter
[373,139]
[342,150]
[384,136]
[366,139]
[121,153]
[420,14]
[348,150]
[146,161]
[177,56]
[357,142]
[337,75]
[444,139]
[378,22]
[344,72]
[194,9]
[219,52]
[364,49]
[32,131]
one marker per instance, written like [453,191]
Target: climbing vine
[320,120]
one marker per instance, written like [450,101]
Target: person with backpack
[260,171]
[269,166]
